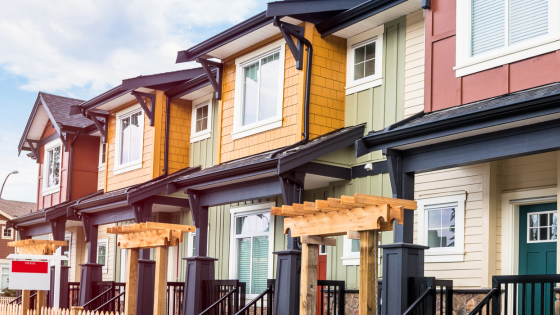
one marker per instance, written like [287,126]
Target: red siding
[444,90]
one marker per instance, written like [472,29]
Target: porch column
[58,228]
[200,267]
[146,268]
[91,270]
[288,262]
[402,259]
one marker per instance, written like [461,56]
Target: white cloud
[86,47]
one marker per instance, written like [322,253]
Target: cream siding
[414,64]
[109,270]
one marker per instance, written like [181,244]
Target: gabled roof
[16,208]
[52,109]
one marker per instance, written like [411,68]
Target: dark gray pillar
[64,302]
[91,270]
[146,268]
[199,268]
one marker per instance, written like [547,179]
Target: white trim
[467,64]
[127,167]
[349,258]
[11,237]
[105,243]
[369,36]
[207,133]
[240,131]
[547,226]
[257,208]
[56,188]
[101,166]
[456,253]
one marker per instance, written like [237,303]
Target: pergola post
[369,246]
[131,281]
[25,294]
[308,292]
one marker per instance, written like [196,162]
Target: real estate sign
[29,275]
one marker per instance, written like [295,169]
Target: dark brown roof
[17,208]
[59,106]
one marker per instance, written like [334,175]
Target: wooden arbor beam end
[317,240]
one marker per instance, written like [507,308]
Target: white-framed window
[351,252]
[364,60]
[102,154]
[441,225]
[67,248]
[7,234]
[191,243]
[542,227]
[252,243]
[322,249]
[129,140]
[498,32]
[5,277]
[259,90]
[103,254]
[201,125]
[52,166]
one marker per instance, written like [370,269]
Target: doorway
[538,234]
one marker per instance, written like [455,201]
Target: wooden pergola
[134,237]
[34,247]
[358,217]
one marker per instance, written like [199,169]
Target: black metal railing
[16,301]
[263,301]
[331,297]
[104,300]
[423,294]
[175,298]
[73,293]
[522,294]
[222,297]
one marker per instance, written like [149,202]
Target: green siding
[203,152]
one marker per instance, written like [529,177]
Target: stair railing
[330,290]
[424,295]
[223,305]
[269,294]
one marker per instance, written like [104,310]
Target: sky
[81,48]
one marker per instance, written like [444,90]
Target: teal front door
[537,248]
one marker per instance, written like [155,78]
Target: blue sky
[82,48]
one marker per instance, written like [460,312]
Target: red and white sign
[29,275]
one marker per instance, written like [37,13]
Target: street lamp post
[2,190]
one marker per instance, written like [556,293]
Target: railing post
[496,307]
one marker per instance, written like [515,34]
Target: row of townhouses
[452,103]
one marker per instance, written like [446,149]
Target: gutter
[70,165]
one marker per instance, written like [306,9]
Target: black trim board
[324,170]
[262,188]
[113,216]
[283,8]
[37,230]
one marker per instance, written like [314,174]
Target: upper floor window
[259,90]
[102,154]
[494,33]
[129,140]
[201,125]
[364,60]
[52,167]
[7,233]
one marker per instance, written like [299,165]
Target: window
[351,252]
[52,167]
[5,277]
[494,33]
[129,141]
[251,247]
[259,90]
[66,251]
[322,249]
[542,227]
[7,233]
[102,154]
[201,125]
[102,254]
[441,226]
[364,60]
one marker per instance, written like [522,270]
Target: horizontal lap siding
[414,64]
[465,274]
[108,271]
[529,172]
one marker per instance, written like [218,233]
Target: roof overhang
[192,89]
[161,80]
[245,34]
[366,16]
[314,11]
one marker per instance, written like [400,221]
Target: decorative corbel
[296,49]
[34,146]
[101,126]
[150,112]
[194,202]
[57,228]
[217,81]
[64,139]
[86,221]
[394,161]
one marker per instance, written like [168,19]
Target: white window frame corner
[255,208]
[131,166]
[102,164]
[56,188]
[349,258]
[11,233]
[467,64]
[457,253]
[106,242]
[369,36]
[204,134]
[240,131]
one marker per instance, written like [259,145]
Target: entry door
[321,272]
[537,247]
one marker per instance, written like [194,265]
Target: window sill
[506,56]
[127,168]
[443,256]
[258,127]
[7,238]
[201,136]
[364,85]
[353,260]
[50,191]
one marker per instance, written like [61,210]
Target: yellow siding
[77,252]
[414,64]
[179,136]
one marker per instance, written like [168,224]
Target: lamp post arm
[2,190]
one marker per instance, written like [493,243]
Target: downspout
[166,145]
[70,165]
[307,92]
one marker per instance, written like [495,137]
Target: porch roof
[514,124]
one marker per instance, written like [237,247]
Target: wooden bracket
[101,126]
[215,81]
[194,202]
[34,146]
[150,112]
[296,49]
[64,139]
[86,221]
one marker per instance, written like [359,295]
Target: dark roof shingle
[59,106]
[17,208]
